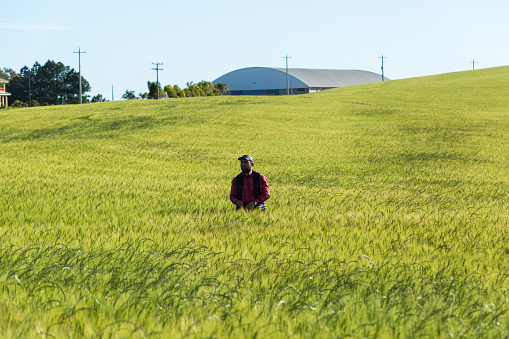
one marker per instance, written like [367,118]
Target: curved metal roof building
[267,80]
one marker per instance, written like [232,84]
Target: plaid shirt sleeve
[264,190]
[233,192]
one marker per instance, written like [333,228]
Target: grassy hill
[388,214]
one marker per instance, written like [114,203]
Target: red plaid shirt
[248,190]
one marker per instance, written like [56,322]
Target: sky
[203,40]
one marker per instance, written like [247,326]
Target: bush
[19,104]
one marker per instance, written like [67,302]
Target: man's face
[246,165]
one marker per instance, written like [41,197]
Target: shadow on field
[85,127]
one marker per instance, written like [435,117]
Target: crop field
[388,216]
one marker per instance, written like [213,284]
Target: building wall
[293,91]
[258,78]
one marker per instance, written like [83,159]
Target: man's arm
[233,194]
[264,190]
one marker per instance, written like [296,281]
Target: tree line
[50,84]
[201,89]
[57,84]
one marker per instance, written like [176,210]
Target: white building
[3,94]
[272,81]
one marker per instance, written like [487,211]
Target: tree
[203,88]
[7,73]
[206,88]
[72,88]
[170,91]
[18,87]
[152,91]
[174,92]
[193,90]
[221,87]
[50,84]
[129,95]
[98,98]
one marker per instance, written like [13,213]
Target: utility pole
[382,57]
[29,92]
[287,88]
[112,97]
[473,64]
[157,69]
[79,63]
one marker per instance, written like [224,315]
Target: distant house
[273,81]
[3,94]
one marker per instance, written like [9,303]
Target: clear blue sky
[202,40]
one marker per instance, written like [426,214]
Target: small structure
[273,81]
[3,94]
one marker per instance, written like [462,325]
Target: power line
[287,88]
[157,69]
[79,63]
[382,57]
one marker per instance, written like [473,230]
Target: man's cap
[247,157]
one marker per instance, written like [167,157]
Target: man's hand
[239,203]
[251,205]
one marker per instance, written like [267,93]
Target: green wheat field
[388,217]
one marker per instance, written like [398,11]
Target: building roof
[253,78]
[332,77]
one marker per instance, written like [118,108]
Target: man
[250,189]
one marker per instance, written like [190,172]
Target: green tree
[203,88]
[174,91]
[206,88]
[221,87]
[129,95]
[7,73]
[98,98]
[18,87]
[72,88]
[170,91]
[193,90]
[50,84]
[152,91]
[180,92]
